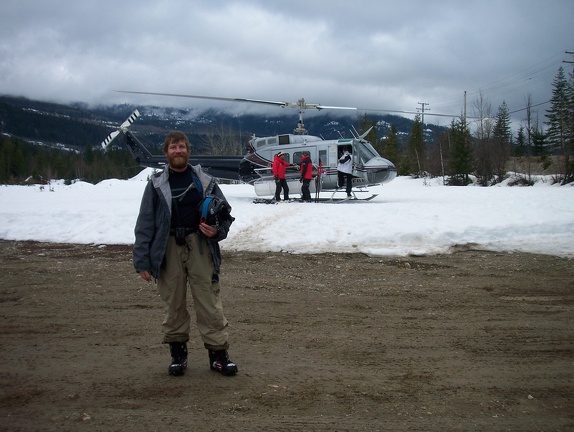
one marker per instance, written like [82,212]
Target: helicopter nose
[380,170]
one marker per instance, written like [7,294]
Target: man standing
[306,176]
[279,169]
[345,171]
[175,246]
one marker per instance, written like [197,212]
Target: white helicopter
[369,168]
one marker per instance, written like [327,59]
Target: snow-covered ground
[409,216]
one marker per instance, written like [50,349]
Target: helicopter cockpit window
[365,151]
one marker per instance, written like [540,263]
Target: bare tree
[223,141]
[416,147]
[484,146]
[529,130]
[483,110]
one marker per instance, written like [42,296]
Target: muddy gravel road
[472,341]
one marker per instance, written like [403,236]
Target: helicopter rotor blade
[320,107]
[206,97]
[300,104]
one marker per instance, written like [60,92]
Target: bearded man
[175,246]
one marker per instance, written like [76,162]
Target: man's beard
[177,161]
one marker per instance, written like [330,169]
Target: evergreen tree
[570,126]
[5,152]
[502,140]
[539,143]
[20,160]
[560,129]
[520,147]
[390,149]
[460,153]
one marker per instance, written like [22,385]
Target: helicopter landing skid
[350,199]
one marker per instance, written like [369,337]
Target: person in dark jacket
[306,176]
[279,169]
[176,247]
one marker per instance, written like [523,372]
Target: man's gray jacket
[154,219]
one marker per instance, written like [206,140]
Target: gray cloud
[371,55]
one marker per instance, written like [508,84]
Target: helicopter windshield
[365,151]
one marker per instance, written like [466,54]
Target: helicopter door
[332,161]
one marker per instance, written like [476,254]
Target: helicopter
[369,168]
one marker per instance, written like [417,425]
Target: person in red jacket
[306,176]
[279,169]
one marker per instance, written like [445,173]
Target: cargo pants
[192,265]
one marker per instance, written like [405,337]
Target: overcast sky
[369,54]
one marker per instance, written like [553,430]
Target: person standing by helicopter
[177,244]
[279,169]
[306,176]
[345,171]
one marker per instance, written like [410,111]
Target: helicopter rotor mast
[301,105]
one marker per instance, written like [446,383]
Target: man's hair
[174,137]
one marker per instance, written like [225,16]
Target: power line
[531,106]
[507,86]
[543,103]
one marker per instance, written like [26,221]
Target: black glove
[276,179]
[300,179]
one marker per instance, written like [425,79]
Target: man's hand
[207,230]
[146,275]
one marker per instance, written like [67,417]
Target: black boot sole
[176,370]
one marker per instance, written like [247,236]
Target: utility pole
[464,115]
[465,106]
[422,104]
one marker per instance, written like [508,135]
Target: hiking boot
[219,362]
[178,358]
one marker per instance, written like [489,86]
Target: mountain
[78,126]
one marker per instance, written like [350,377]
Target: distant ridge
[78,125]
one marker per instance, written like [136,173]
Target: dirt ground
[472,341]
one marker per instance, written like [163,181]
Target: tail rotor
[123,128]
